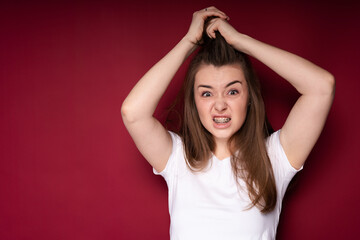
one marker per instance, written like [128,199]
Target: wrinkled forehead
[219,77]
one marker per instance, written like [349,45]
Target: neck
[222,150]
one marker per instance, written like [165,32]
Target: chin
[222,134]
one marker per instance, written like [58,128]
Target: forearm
[144,97]
[305,76]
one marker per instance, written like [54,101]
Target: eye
[206,94]
[233,92]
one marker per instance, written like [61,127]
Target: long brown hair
[249,159]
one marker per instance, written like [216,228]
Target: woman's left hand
[227,31]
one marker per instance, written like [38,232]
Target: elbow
[132,113]
[331,85]
[126,113]
[327,86]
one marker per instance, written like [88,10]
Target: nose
[220,104]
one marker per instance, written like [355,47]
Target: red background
[69,169]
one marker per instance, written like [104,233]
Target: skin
[221,92]
[302,127]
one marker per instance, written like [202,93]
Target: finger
[203,14]
[212,11]
[212,27]
[215,9]
[214,14]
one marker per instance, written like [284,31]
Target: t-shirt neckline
[220,160]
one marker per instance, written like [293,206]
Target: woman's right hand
[197,24]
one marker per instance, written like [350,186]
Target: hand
[227,31]
[197,24]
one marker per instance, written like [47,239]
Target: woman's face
[221,98]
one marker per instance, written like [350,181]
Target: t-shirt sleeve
[282,168]
[171,167]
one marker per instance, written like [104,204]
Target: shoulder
[275,150]
[282,169]
[279,161]
[176,139]
[177,155]
[177,144]
[273,145]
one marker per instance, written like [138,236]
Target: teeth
[221,120]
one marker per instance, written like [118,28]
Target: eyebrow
[227,85]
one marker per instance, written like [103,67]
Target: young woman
[226,173]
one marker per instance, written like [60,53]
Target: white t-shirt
[208,204]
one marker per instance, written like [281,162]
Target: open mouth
[221,119]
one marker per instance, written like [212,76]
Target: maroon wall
[69,169]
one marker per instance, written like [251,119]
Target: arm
[306,120]
[150,137]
